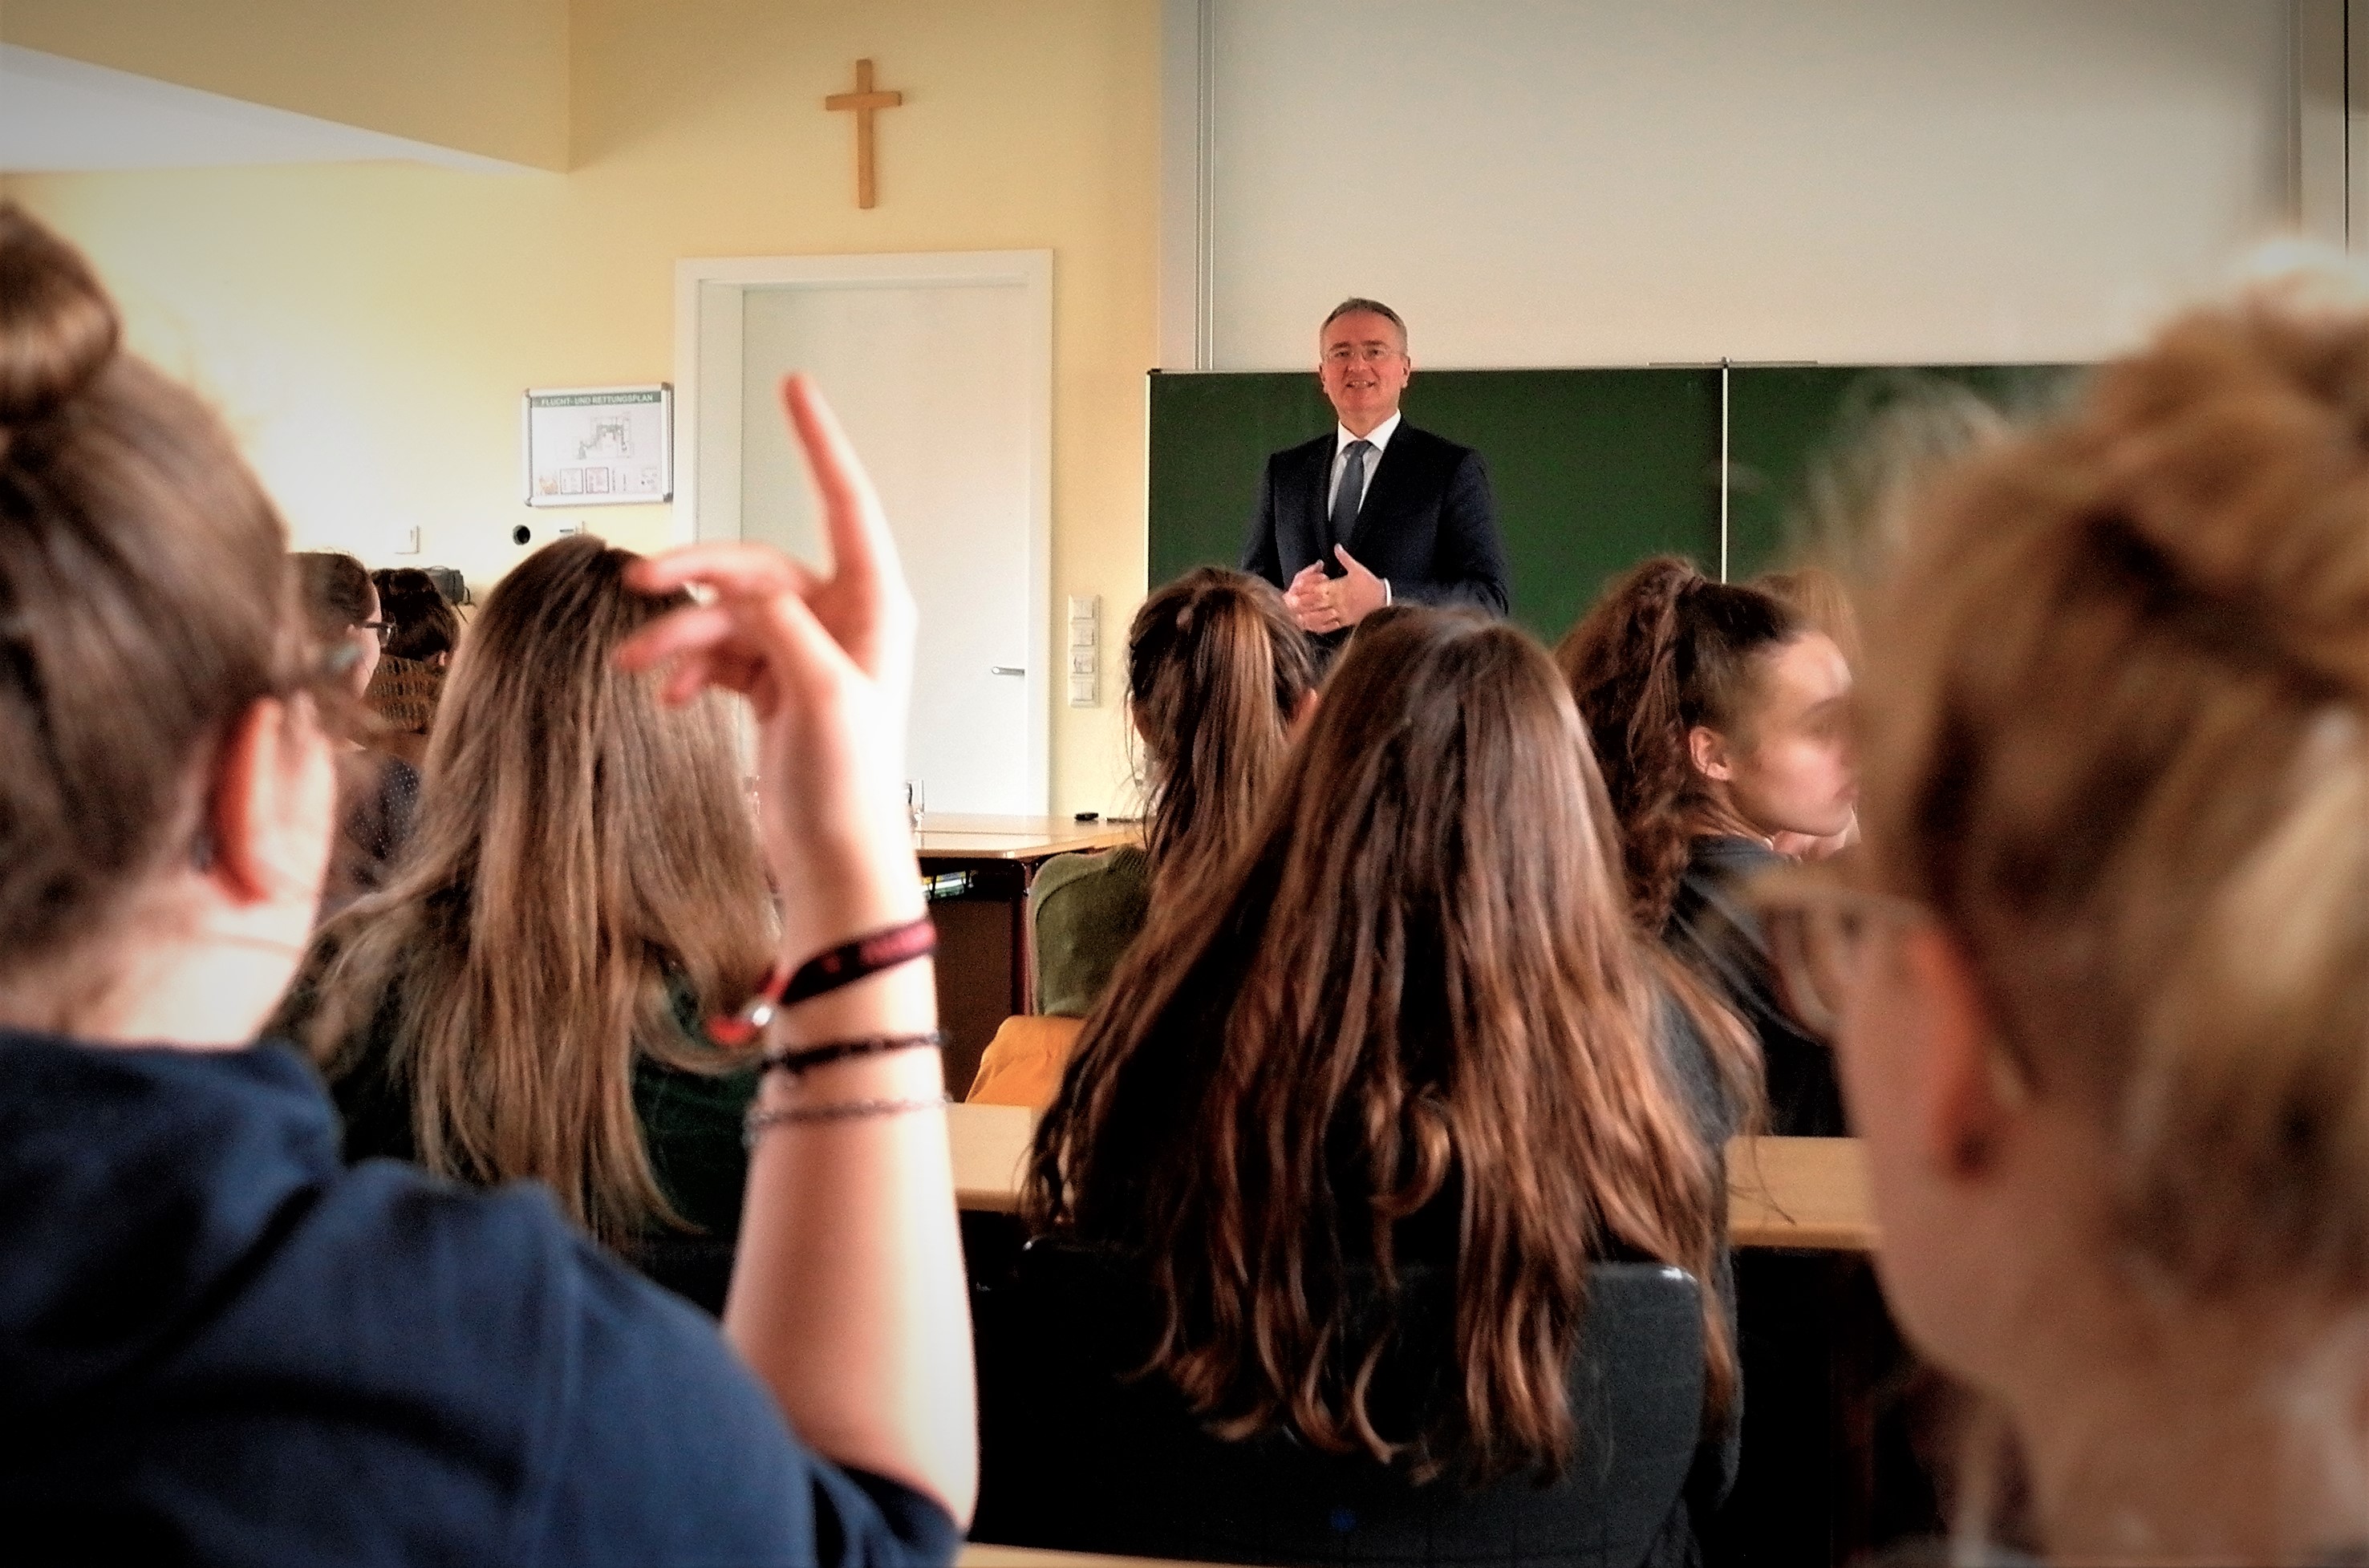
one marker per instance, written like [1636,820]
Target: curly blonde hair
[2114,734]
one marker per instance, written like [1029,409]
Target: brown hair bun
[2237,456]
[145,602]
[58,328]
[2115,735]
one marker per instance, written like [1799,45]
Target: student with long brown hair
[2098,973]
[1217,673]
[526,997]
[224,1345]
[1718,714]
[1409,1024]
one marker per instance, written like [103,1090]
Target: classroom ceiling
[59,115]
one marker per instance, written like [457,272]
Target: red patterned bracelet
[843,965]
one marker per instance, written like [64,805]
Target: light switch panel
[1085,649]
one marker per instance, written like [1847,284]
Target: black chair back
[1077,1455]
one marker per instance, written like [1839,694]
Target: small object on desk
[1089,817]
[947,885]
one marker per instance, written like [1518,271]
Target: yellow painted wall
[487,76]
[369,328]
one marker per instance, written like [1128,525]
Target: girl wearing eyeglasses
[2099,978]
[378,790]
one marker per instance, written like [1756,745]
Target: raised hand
[826,662]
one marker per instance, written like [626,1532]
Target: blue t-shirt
[218,1344]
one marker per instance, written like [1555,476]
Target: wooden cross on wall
[864,102]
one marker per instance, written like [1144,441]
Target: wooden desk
[983,866]
[979,1554]
[1804,1193]
[1810,1192]
[988,1144]
[948,835]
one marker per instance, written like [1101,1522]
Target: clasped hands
[1321,603]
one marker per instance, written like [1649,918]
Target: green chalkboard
[1788,423]
[1592,469]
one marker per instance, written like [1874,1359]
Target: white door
[941,376]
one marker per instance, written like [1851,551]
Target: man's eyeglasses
[382,629]
[1820,936]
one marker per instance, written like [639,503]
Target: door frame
[709,292]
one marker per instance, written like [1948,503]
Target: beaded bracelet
[843,965]
[759,1123]
[806,1059]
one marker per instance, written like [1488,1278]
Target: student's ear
[1708,750]
[274,794]
[1969,1094]
[1304,715]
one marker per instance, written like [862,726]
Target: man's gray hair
[1353,305]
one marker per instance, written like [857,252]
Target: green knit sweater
[1086,909]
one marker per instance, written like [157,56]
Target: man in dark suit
[1377,511]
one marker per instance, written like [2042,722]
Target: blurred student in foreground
[218,1344]
[2099,976]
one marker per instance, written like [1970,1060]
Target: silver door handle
[1005,670]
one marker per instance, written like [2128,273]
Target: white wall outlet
[407,540]
[1083,690]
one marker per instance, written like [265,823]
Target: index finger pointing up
[854,525]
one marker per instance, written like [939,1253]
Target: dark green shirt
[1086,909]
[690,1126]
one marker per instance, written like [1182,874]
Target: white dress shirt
[1378,437]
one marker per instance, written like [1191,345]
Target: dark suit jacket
[1429,523]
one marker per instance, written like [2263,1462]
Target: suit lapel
[1316,518]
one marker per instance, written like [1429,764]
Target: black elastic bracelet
[843,965]
[806,1059]
[759,1123]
